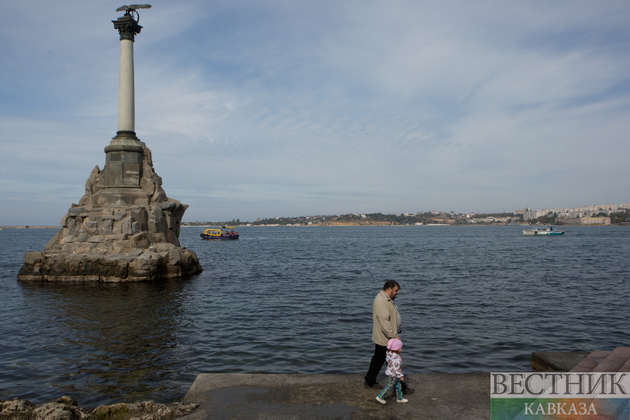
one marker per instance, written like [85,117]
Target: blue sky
[288,108]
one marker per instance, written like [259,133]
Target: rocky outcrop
[16,409]
[146,410]
[66,408]
[124,228]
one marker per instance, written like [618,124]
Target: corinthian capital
[127,27]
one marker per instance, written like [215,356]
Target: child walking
[393,372]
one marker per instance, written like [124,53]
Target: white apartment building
[534,214]
[586,211]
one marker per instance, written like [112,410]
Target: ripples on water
[286,300]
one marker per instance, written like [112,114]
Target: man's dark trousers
[378,360]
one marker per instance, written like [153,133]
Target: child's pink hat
[394,344]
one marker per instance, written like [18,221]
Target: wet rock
[60,411]
[16,409]
[112,412]
[33,258]
[146,410]
[67,400]
[66,408]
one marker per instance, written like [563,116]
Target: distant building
[605,221]
[534,214]
[574,213]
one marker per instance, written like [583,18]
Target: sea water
[299,300]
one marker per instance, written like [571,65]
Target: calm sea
[291,299]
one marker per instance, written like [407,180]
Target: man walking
[387,325]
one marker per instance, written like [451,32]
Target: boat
[223,233]
[542,232]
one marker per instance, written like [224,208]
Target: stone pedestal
[124,228]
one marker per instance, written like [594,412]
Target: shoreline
[465,396]
[387,224]
[30,227]
[341,224]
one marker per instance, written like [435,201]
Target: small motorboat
[223,233]
[542,232]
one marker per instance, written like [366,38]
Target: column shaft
[126,100]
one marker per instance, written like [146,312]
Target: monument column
[125,154]
[124,228]
[128,27]
[126,101]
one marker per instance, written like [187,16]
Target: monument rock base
[117,233]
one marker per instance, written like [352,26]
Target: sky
[265,108]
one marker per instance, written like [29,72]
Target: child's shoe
[404,400]
[382,401]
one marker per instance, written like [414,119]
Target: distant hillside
[379,219]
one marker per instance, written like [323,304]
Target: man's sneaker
[366,385]
[404,400]
[408,391]
[382,401]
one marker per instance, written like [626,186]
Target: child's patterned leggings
[392,382]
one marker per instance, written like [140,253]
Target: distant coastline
[605,214]
[30,227]
[352,224]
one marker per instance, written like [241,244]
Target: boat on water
[223,233]
[542,232]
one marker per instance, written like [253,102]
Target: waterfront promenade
[462,396]
[459,396]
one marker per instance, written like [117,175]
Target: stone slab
[615,361]
[551,361]
[459,396]
[591,361]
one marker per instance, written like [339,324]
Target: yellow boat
[224,233]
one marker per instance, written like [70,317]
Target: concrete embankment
[459,396]
[215,396]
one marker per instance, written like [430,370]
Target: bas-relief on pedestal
[124,228]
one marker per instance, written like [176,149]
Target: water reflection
[115,340]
